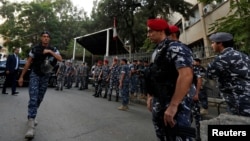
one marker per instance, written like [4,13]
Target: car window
[22,63]
[3,63]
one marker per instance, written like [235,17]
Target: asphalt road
[74,115]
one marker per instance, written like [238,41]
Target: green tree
[132,16]
[24,22]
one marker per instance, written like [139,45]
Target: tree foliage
[24,21]
[132,16]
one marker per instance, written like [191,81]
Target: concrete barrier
[222,119]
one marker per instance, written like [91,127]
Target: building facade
[195,30]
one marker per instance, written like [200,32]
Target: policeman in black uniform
[42,58]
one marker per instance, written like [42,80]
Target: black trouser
[11,79]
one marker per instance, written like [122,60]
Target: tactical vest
[39,59]
[162,72]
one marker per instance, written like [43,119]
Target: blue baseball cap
[221,37]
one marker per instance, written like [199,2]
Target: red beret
[173,29]
[106,61]
[157,24]
[100,62]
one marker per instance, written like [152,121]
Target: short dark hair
[45,32]
[197,60]
[228,43]
[14,48]
[178,33]
[125,60]
[167,31]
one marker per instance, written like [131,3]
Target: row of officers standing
[127,80]
[108,77]
[67,73]
[123,78]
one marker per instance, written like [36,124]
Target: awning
[96,43]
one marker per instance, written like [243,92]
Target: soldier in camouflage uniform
[124,85]
[40,57]
[196,103]
[105,78]
[69,74]
[86,75]
[203,99]
[60,75]
[81,74]
[114,79]
[97,78]
[140,69]
[232,69]
[76,74]
[169,81]
[145,69]
[133,79]
[193,95]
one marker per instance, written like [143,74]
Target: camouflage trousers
[98,85]
[60,81]
[196,116]
[37,88]
[134,84]
[104,85]
[203,99]
[69,81]
[113,84]
[82,80]
[182,117]
[125,94]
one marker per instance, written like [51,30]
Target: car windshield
[3,63]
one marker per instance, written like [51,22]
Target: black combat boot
[97,95]
[105,95]
[117,98]
[81,88]
[109,99]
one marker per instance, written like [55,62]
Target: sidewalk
[213,111]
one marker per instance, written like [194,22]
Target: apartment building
[195,30]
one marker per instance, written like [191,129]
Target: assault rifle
[181,131]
